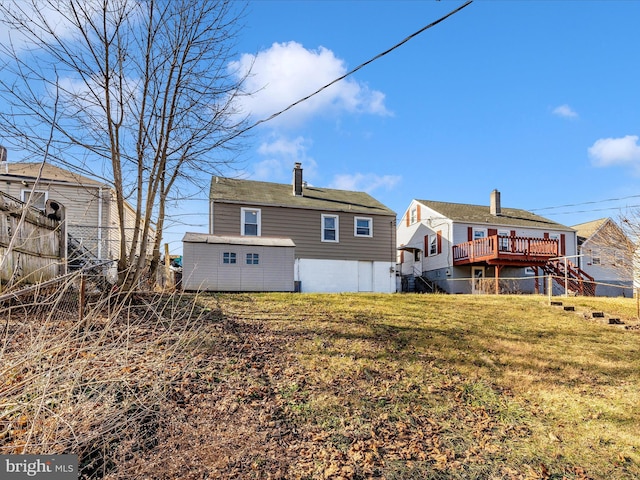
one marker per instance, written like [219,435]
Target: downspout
[100,223]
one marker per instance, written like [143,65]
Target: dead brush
[93,384]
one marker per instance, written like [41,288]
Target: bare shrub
[93,384]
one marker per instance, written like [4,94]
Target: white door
[477,280]
[365,276]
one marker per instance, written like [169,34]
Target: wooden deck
[503,250]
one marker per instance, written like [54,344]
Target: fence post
[82,299]
[549,286]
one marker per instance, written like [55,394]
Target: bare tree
[146,100]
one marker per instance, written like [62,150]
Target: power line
[593,210]
[351,72]
[586,203]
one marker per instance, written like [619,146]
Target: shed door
[365,276]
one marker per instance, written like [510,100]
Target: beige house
[344,240]
[88,208]
[606,253]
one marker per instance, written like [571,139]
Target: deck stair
[578,281]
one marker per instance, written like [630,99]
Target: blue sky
[538,99]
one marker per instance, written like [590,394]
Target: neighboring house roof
[49,172]
[191,237]
[513,217]
[587,229]
[231,190]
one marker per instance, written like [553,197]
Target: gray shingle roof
[49,172]
[512,217]
[585,230]
[231,190]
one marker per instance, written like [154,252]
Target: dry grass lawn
[298,386]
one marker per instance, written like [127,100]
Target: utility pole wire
[351,72]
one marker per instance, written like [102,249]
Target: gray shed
[225,263]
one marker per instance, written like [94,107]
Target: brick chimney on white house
[494,205]
[297,179]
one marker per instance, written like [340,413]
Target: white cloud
[616,151]
[47,19]
[364,182]
[280,155]
[288,72]
[565,111]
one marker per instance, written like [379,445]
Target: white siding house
[90,213]
[462,248]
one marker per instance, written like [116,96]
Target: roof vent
[494,205]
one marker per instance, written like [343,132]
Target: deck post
[497,279]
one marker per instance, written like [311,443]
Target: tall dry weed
[91,383]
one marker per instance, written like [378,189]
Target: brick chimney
[494,205]
[297,179]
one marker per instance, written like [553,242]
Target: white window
[229,258]
[479,233]
[413,215]
[38,199]
[595,257]
[253,258]
[503,240]
[250,222]
[433,245]
[363,227]
[330,227]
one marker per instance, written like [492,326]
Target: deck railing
[496,247]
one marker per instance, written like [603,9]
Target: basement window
[253,259]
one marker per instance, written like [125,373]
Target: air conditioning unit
[54,210]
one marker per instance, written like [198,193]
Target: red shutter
[513,233]
[439,241]
[408,217]
[418,218]
[426,245]
[562,244]
[492,231]
[469,233]
[546,234]
[401,256]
